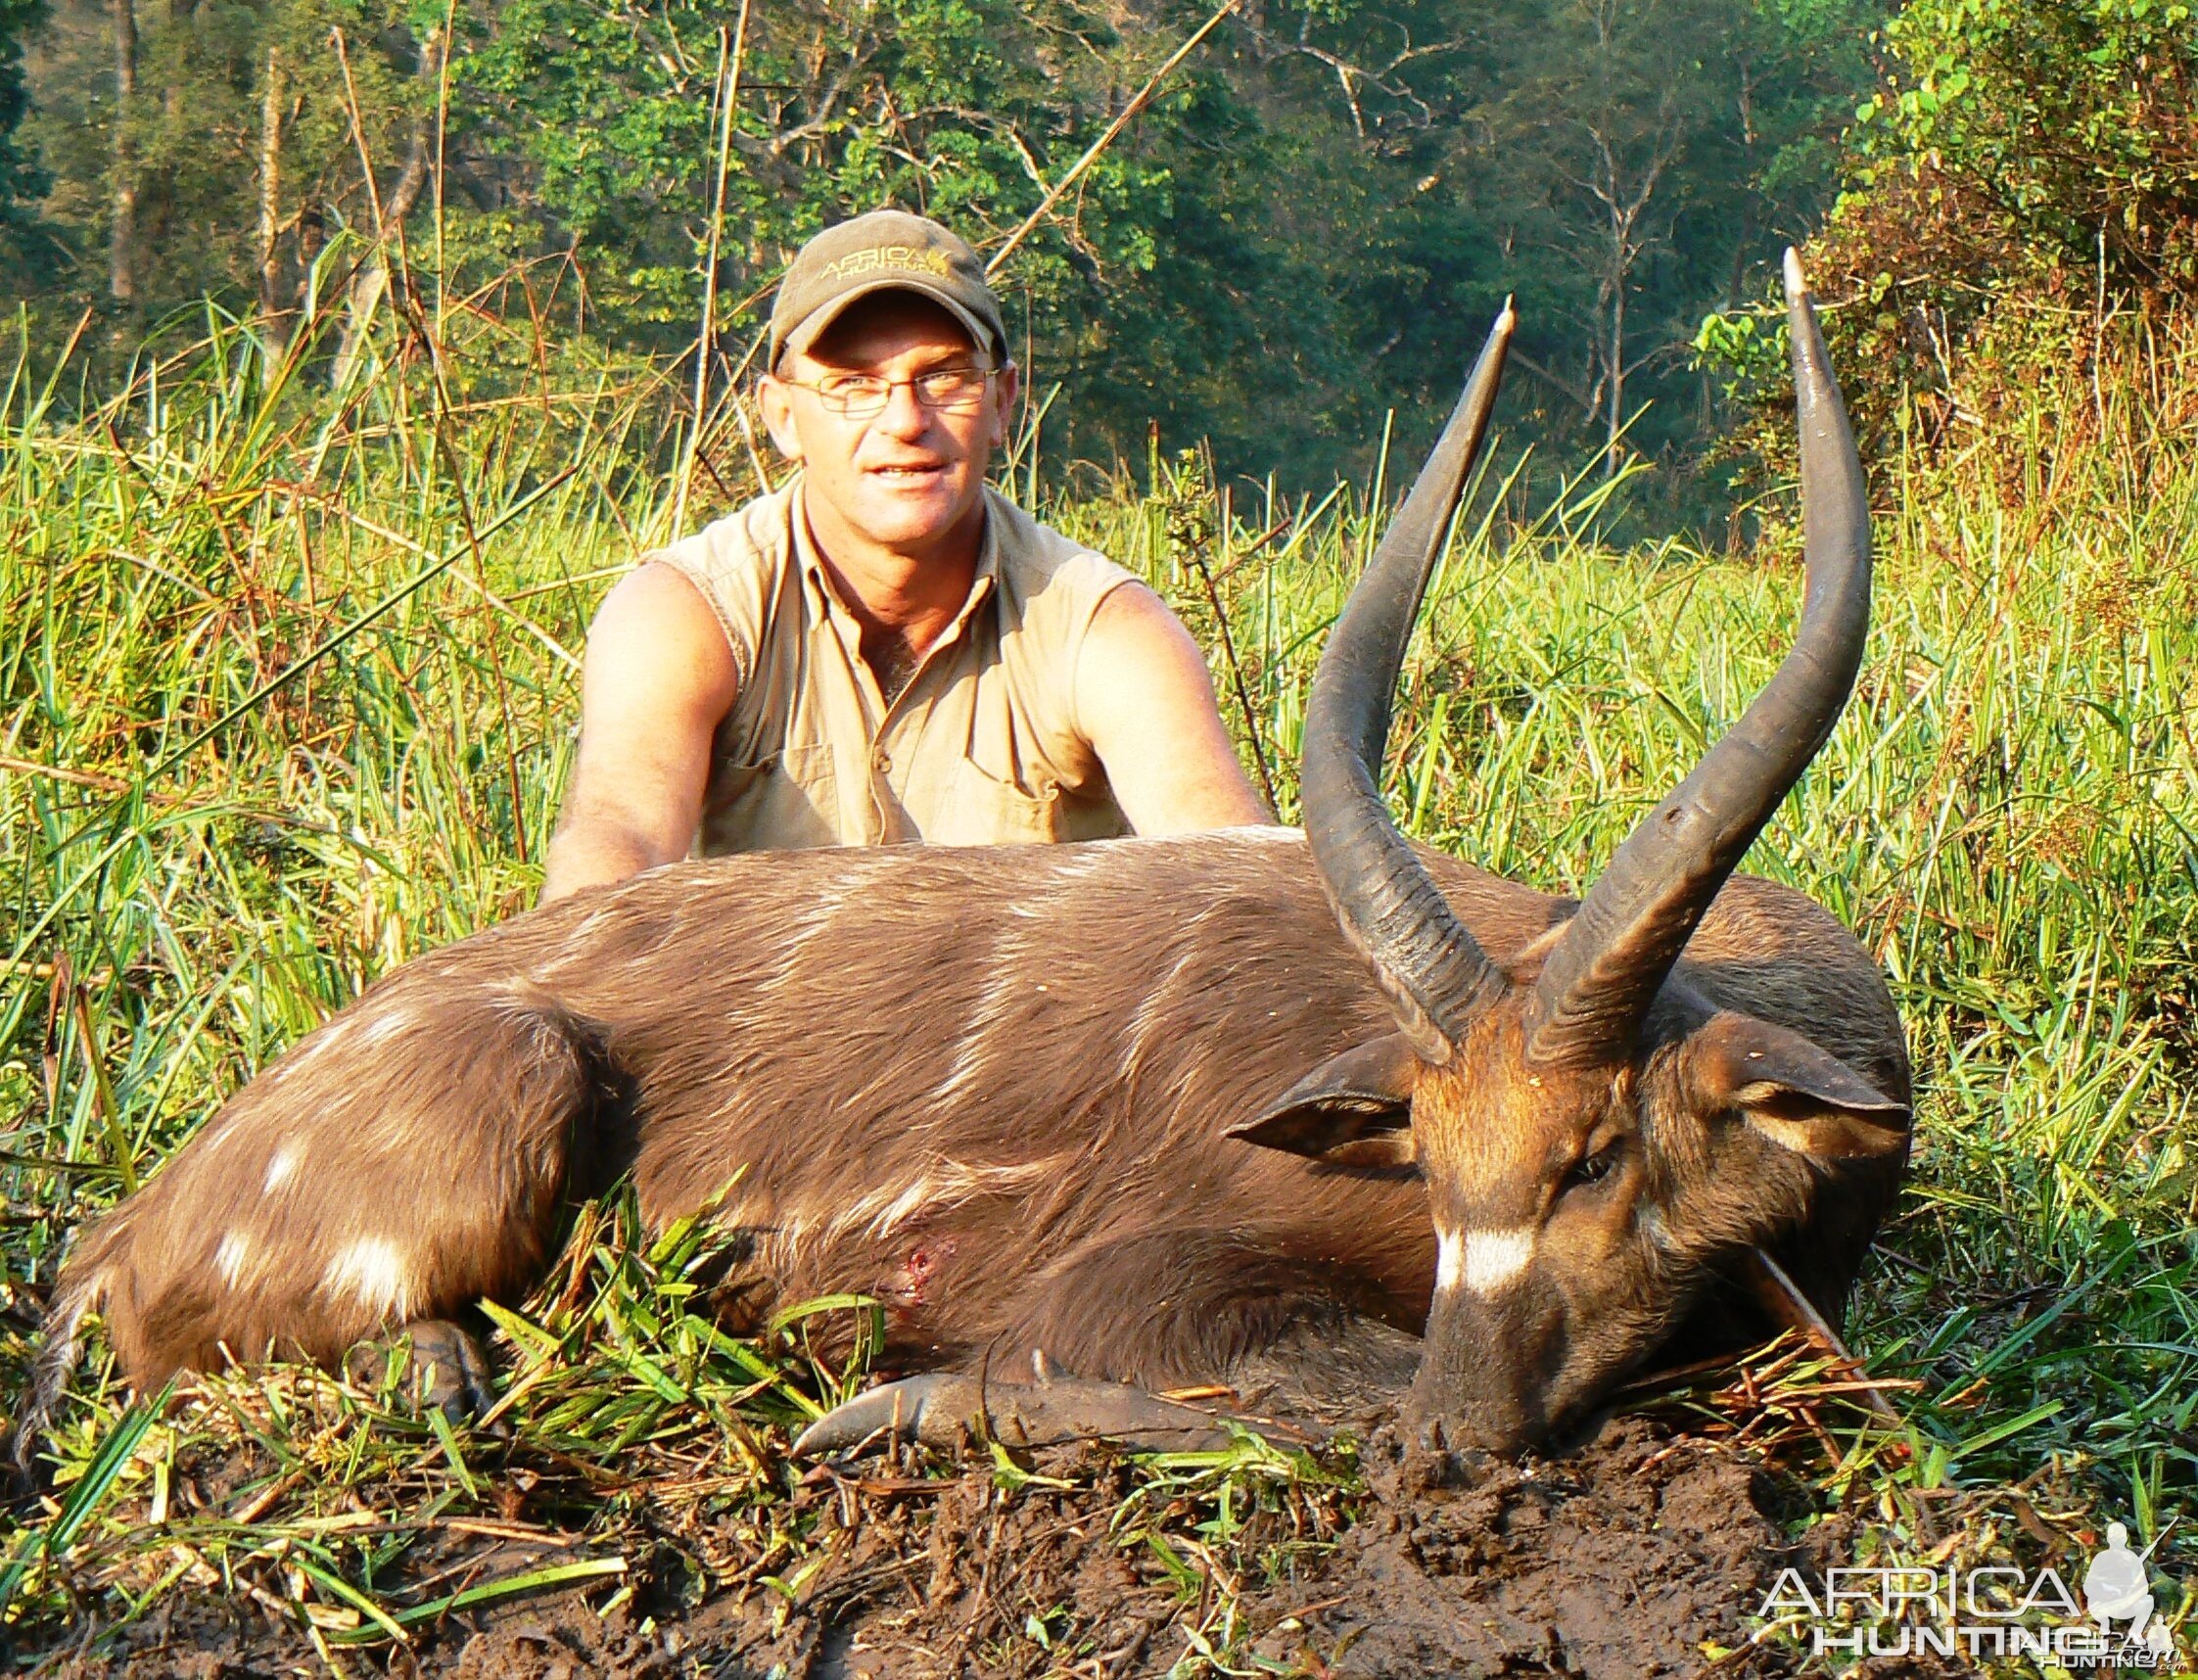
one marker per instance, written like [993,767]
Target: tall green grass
[288,689]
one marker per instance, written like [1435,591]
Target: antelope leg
[442,1367]
[946,1408]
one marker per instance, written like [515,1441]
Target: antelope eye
[1593,1169]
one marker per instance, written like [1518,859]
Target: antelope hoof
[945,1409]
[436,1364]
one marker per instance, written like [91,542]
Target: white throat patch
[1482,1261]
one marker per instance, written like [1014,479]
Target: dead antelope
[1512,1145]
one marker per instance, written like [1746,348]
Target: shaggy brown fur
[989,1087]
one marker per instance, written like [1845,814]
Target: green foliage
[2028,170]
[19,179]
[1306,230]
[1613,166]
[195,137]
[2066,131]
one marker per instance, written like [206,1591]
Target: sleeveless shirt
[980,748]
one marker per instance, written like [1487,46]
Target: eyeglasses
[858,395]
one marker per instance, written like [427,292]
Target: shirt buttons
[881,761]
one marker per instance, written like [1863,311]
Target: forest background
[1301,235]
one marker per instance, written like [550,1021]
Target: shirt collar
[982,583]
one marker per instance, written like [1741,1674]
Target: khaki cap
[884,250]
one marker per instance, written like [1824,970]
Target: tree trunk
[1617,372]
[270,188]
[121,252]
[372,281]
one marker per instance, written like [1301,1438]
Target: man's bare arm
[657,679]
[1146,702]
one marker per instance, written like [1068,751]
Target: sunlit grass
[287,691]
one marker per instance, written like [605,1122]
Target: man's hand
[1144,701]
[657,681]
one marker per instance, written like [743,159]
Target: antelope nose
[1502,1428]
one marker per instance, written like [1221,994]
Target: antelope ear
[1354,1111]
[1798,1096]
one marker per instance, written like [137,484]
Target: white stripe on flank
[1484,1262]
[939,1188]
[372,1271]
[902,1206]
[280,1165]
[390,1024]
[1155,1002]
[229,1257]
[1012,980]
[1069,865]
[812,923]
[969,1062]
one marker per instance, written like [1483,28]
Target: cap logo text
[912,258]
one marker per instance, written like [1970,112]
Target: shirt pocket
[986,811]
[786,802]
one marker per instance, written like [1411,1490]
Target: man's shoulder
[1037,562]
[737,564]
[754,540]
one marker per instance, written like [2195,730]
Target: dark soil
[1643,1555]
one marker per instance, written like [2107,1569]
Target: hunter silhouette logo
[2117,1588]
[1994,1610]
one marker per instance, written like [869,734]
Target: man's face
[909,479]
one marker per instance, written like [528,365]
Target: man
[887,649]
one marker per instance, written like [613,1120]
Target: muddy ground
[1640,1556]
